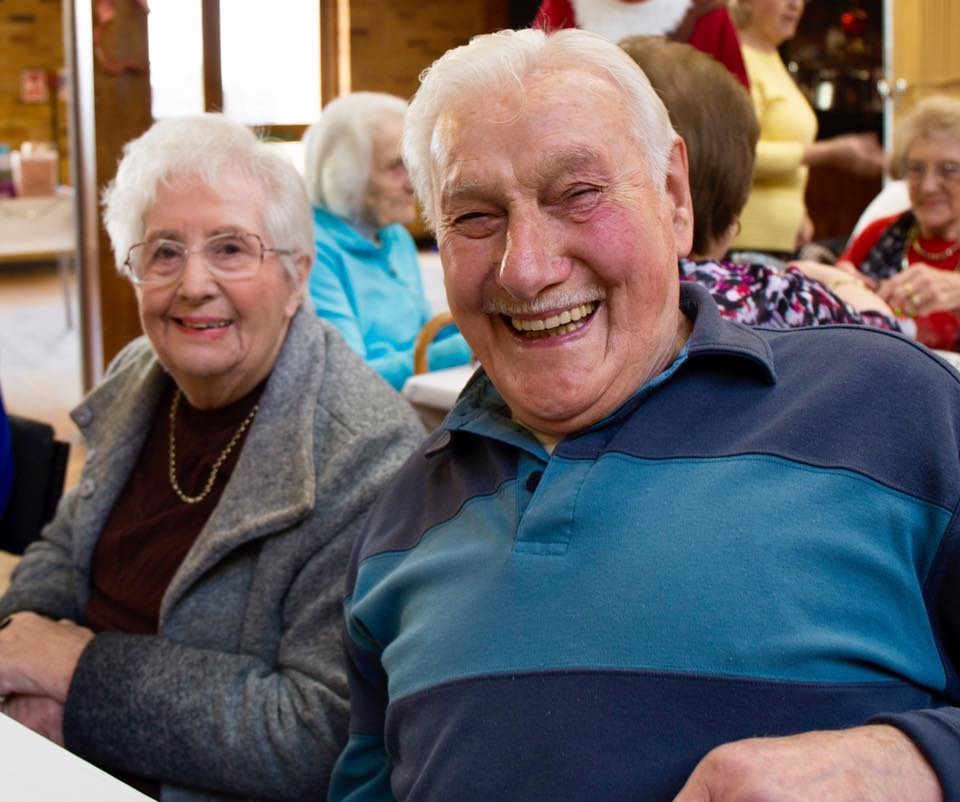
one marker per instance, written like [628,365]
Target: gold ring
[913,297]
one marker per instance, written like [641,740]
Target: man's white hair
[492,62]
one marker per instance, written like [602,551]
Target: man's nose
[531,262]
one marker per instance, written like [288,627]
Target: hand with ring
[921,290]
[913,300]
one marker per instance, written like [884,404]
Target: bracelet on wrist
[845,281]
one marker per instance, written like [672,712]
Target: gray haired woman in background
[366,280]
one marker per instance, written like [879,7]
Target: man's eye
[474,224]
[583,193]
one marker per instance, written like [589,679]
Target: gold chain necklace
[216,465]
[929,256]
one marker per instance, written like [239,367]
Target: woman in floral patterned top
[759,295]
[697,94]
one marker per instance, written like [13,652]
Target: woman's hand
[920,290]
[850,269]
[833,276]
[829,275]
[861,154]
[38,713]
[38,655]
[847,283]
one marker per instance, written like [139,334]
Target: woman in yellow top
[775,220]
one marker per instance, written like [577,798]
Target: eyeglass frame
[188,252]
[946,172]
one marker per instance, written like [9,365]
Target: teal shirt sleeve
[448,351]
[332,296]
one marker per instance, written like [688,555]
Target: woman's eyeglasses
[945,172]
[229,257]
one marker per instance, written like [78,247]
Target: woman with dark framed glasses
[912,258]
[179,621]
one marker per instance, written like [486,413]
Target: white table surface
[437,389]
[37,227]
[950,356]
[37,770]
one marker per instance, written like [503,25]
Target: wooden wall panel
[391,43]
[925,55]
[31,38]
[120,98]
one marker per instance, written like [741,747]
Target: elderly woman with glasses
[912,258]
[179,621]
[366,280]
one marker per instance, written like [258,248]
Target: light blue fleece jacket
[373,294]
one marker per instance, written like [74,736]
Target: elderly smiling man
[651,555]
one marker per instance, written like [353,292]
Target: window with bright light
[269,60]
[175,41]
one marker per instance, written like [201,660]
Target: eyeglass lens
[942,171]
[231,255]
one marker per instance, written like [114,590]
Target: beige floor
[39,359]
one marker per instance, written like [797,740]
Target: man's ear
[678,190]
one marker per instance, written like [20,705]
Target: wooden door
[925,58]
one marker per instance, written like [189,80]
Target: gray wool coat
[242,694]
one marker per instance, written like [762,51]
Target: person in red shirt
[705,24]
[912,258]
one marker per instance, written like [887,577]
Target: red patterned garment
[882,249]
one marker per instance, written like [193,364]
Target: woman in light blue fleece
[366,278]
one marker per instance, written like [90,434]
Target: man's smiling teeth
[216,324]
[555,325]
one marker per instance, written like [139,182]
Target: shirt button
[87,488]
[83,416]
[442,441]
[533,481]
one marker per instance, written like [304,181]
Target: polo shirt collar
[481,409]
